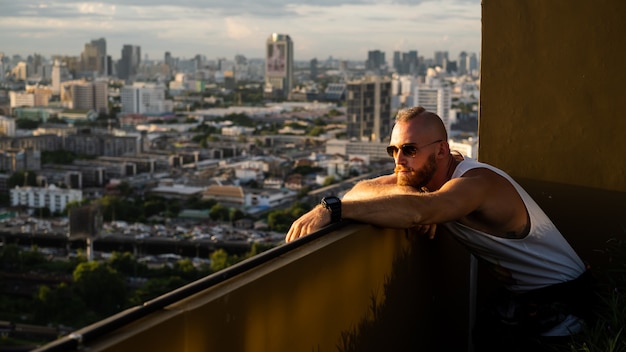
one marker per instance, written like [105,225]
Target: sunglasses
[409,149]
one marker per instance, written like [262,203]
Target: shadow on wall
[418,313]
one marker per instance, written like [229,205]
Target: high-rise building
[2,66]
[81,95]
[375,60]
[20,71]
[89,58]
[128,65]
[278,66]
[473,63]
[369,109]
[143,98]
[441,58]
[56,77]
[101,50]
[463,65]
[406,63]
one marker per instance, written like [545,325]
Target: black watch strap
[333,204]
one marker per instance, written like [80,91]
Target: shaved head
[428,122]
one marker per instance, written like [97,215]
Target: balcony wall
[550,110]
[356,288]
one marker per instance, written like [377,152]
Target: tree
[219,260]
[219,212]
[101,287]
[59,305]
[236,214]
[156,287]
[125,263]
[315,131]
[18,178]
[328,181]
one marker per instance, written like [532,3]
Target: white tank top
[540,259]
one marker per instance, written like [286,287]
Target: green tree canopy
[101,287]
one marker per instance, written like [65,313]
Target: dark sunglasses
[409,149]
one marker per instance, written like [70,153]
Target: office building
[369,109]
[102,58]
[144,98]
[278,66]
[89,58]
[375,60]
[406,63]
[463,64]
[128,65]
[441,58]
[82,95]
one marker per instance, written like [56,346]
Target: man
[484,209]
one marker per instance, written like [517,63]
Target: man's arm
[380,203]
[371,188]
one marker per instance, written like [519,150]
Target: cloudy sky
[344,29]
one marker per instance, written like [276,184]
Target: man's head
[419,147]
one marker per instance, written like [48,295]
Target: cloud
[342,28]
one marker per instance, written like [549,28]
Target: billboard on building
[85,221]
[276,60]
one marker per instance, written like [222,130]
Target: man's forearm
[371,188]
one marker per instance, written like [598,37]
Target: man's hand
[426,230]
[310,222]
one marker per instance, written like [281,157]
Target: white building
[437,99]
[269,198]
[468,146]
[51,197]
[144,98]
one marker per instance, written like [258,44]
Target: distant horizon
[345,29]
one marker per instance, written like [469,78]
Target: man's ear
[443,149]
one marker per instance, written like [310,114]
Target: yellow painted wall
[553,83]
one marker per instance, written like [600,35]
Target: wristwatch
[333,205]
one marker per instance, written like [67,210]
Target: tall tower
[56,77]
[129,63]
[463,66]
[101,56]
[89,58]
[278,66]
[375,60]
[369,109]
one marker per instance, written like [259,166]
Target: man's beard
[417,178]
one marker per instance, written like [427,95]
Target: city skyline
[345,29]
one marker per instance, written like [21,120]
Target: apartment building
[51,197]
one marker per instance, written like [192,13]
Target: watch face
[331,200]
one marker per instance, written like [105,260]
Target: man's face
[415,167]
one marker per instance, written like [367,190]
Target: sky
[343,29]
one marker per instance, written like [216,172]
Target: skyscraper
[101,46]
[463,66]
[375,60]
[369,109]
[129,63]
[278,66]
[56,77]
